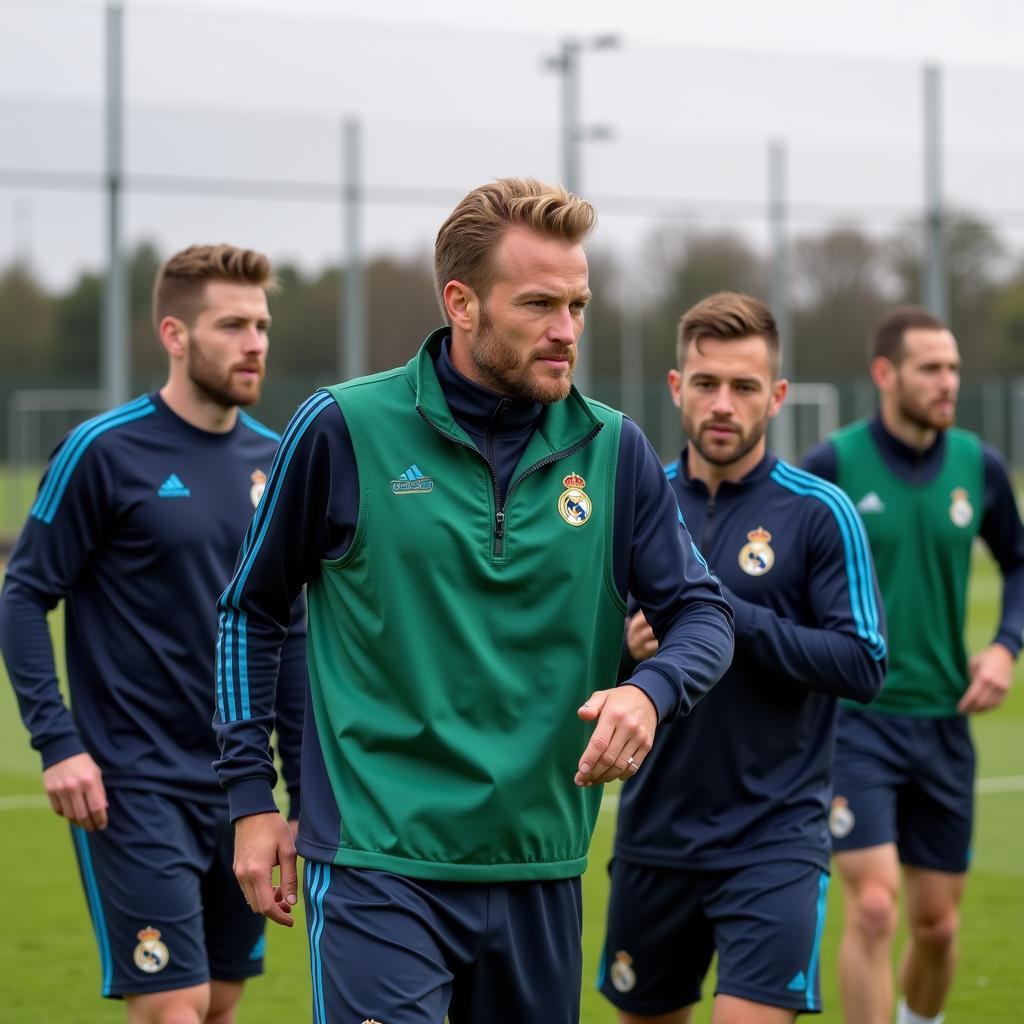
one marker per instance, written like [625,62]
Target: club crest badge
[961,511]
[573,504]
[840,818]
[756,556]
[259,485]
[151,955]
[621,972]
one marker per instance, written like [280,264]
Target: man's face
[726,393]
[922,387]
[226,358]
[527,329]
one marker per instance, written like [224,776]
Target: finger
[289,877]
[591,708]
[594,751]
[55,803]
[80,810]
[610,761]
[96,801]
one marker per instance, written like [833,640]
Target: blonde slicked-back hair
[728,316]
[181,281]
[466,242]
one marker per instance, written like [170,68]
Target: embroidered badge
[259,485]
[621,972]
[412,481]
[756,556]
[960,510]
[840,818]
[573,504]
[151,955]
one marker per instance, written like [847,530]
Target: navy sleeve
[308,512]
[290,705]
[822,461]
[657,563]
[67,523]
[1002,531]
[844,653]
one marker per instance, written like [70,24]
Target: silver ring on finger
[632,764]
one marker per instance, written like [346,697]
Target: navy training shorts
[906,780]
[764,920]
[165,905]
[408,951]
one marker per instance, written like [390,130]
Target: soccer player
[904,782]
[137,526]
[722,841]
[468,526]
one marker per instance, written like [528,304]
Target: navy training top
[137,526]
[1001,528]
[312,513]
[747,776]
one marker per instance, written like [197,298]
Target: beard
[721,453]
[218,383]
[509,372]
[925,416]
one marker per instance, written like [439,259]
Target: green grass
[50,966]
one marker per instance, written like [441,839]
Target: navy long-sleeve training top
[315,506]
[1001,527]
[137,526]
[746,777]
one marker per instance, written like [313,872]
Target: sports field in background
[50,968]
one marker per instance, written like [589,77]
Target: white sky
[452,93]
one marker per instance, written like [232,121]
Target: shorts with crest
[165,905]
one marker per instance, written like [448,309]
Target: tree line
[840,280]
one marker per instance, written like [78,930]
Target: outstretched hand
[263,842]
[626,719]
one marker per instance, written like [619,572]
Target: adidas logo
[412,481]
[798,983]
[871,502]
[172,487]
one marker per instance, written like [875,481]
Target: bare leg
[675,1017]
[178,1006]
[733,1010]
[871,880]
[929,961]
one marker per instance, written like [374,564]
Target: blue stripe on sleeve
[92,895]
[234,628]
[52,491]
[855,544]
[257,427]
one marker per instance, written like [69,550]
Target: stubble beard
[505,371]
[745,443]
[216,384]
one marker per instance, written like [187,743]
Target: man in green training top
[468,527]
[904,775]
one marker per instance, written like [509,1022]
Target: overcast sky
[453,93]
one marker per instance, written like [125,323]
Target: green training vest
[921,537]
[450,647]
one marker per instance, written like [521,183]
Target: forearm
[28,653]
[828,661]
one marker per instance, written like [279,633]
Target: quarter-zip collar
[440,390]
[907,462]
[760,472]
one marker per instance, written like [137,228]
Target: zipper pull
[499,524]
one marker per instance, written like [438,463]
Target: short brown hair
[182,279]
[888,336]
[468,238]
[728,316]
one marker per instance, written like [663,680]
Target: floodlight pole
[935,294]
[352,312]
[783,427]
[567,64]
[115,367]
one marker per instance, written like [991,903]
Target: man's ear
[173,336]
[780,389]
[461,304]
[882,372]
[675,387]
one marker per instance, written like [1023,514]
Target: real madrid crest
[259,485]
[840,818]
[621,972]
[151,955]
[960,510]
[574,505]
[756,556]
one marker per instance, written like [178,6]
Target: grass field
[50,966]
